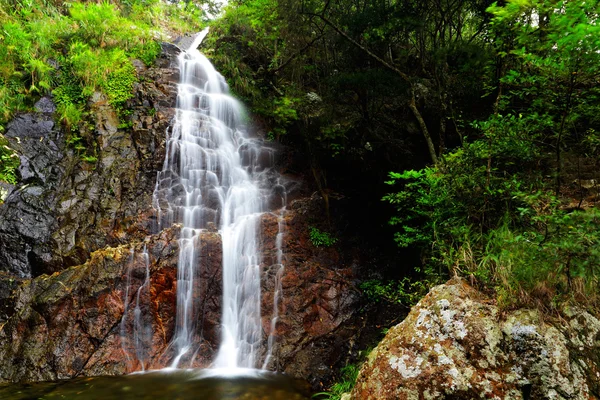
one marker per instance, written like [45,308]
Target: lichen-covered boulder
[456,344]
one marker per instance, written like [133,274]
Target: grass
[72,49]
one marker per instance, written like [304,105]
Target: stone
[81,320]
[45,105]
[72,264]
[456,344]
[62,208]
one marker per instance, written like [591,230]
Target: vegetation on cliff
[73,49]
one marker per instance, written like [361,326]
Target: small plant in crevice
[320,238]
[9,162]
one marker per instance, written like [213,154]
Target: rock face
[65,208]
[70,321]
[456,344]
[116,313]
[88,286]
[319,300]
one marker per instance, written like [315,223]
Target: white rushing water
[138,319]
[215,176]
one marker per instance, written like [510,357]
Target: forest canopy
[487,114]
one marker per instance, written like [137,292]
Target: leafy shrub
[505,231]
[321,239]
[406,291]
[9,162]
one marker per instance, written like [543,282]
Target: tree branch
[374,56]
[296,54]
[411,103]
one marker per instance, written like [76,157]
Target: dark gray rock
[64,208]
[45,105]
[30,126]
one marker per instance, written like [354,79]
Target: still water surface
[173,385]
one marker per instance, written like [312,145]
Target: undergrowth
[321,238]
[345,384]
[73,49]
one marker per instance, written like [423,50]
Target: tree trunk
[415,111]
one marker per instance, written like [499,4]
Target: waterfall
[214,175]
[139,322]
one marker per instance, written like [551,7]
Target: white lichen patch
[453,372]
[521,332]
[443,304]
[443,359]
[406,370]
[451,325]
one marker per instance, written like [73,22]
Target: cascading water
[213,176]
[138,322]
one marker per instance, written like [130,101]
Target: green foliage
[502,230]
[320,238]
[73,49]
[9,162]
[406,291]
[494,209]
[282,112]
[119,82]
[349,373]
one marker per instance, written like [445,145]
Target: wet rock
[318,298]
[64,208]
[117,312]
[455,344]
[69,323]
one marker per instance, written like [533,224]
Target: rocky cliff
[64,208]
[457,344]
[87,285]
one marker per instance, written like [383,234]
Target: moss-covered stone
[455,344]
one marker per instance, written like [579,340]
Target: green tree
[489,210]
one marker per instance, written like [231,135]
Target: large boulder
[457,344]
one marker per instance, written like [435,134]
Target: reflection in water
[175,384]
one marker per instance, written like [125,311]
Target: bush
[503,230]
[406,291]
[9,162]
[73,49]
[321,239]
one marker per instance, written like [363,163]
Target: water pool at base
[172,385]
